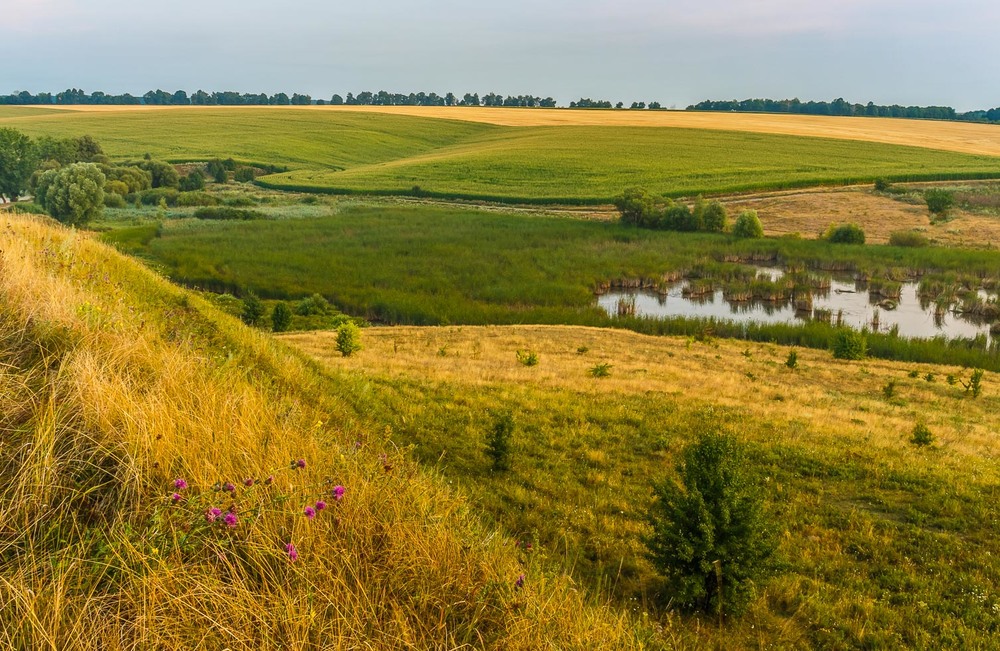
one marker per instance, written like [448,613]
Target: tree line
[841,107]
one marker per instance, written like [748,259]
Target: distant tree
[281,317]
[337,100]
[18,158]
[678,217]
[180,98]
[137,180]
[655,105]
[61,150]
[711,538]
[192,182]
[939,201]
[301,100]
[74,194]
[252,311]
[714,218]
[163,175]
[244,174]
[748,226]
[279,99]
[636,206]
[217,170]
[844,234]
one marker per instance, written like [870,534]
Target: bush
[975,383]
[73,194]
[939,201]
[882,185]
[315,304]
[710,537]
[225,212]
[908,238]
[921,435]
[527,357]
[714,218]
[191,199]
[192,182]
[849,344]
[793,359]
[678,217]
[115,187]
[636,206]
[163,175]
[600,370]
[348,339]
[113,200]
[499,442]
[217,170]
[748,226]
[154,196]
[889,389]
[253,310]
[245,174]
[281,317]
[845,234]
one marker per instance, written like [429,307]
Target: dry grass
[835,397]
[961,137]
[113,383]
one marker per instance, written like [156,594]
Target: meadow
[883,543]
[379,152]
[432,265]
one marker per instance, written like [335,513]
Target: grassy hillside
[593,164]
[884,544]
[114,384]
[380,152]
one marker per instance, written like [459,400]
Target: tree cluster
[640,208]
[842,107]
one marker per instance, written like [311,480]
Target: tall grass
[113,384]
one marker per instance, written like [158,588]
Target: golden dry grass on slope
[969,138]
[833,396]
[113,383]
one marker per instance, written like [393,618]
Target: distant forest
[838,106]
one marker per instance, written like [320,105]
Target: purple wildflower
[230,519]
[338,492]
[519,583]
[292,554]
[176,497]
[213,513]
[320,505]
[228,487]
[248,483]
[301,463]
[310,512]
[269,480]
[180,484]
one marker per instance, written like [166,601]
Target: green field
[425,265]
[357,152]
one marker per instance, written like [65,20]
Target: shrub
[348,338]
[115,187]
[678,217]
[849,344]
[600,370]
[908,238]
[882,185]
[28,208]
[163,175]
[636,206]
[193,181]
[845,234]
[714,218]
[190,199]
[113,200]
[153,197]
[217,171]
[710,536]
[314,304]
[748,226]
[793,359]
[281,317]
[939,201]
[225,212]
[245,174]
[527,357]
[889,389]
[921,435]
[975,383]
[253,310]
[499,442]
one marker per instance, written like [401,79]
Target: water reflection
[845,302]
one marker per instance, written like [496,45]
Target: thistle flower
[310,512]
[338,492]
[176,497]
[230,519]
[180,484]
[301,463]
[292,554]
[320,505]
[269,480]
[519,583]
[248,483]
[213,513]
[228,487]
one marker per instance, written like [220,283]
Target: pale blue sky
[674,51]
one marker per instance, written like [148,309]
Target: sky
[677,52]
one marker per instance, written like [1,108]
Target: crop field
[393,153]
[884,544]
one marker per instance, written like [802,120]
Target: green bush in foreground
[711,539]
[849,344]
[348,339]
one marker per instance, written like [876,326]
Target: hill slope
[114,384]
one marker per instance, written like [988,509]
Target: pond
[845,300]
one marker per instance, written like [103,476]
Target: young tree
[710,537]
[499,442]
[748,225]
[18,159]
[74,194]
[636,206]
[714,218]
[348,338]
[253,310]
[281,317]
